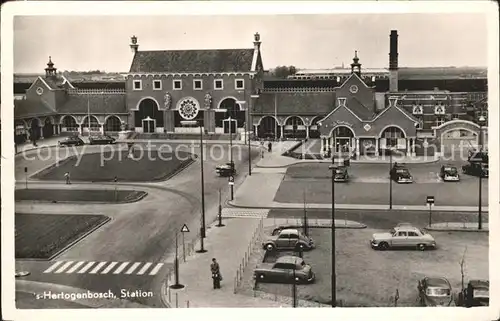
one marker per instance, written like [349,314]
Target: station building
[168,93]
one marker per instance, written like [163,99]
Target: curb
[456,229]
[329,161]
[359,226]
[142,195]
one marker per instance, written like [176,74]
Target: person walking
[216,275]
[270,147]
[68,178]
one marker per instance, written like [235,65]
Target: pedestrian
[216,275]
[270,147]
[68,178]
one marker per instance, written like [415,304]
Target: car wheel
[270,247]
[421,247]
[383,246]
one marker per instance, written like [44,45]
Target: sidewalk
[458,227]
[46,142]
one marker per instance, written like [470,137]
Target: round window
[353,89]
[39,90]
[189,108]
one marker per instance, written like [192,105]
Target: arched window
[70,124]
[113,124]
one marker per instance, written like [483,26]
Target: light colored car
[285,270]
[403,237]
[288,239]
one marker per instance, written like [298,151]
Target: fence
[254,242]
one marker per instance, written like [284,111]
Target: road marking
[86,267]
[74,267]
[121,268]
[106,270]
[98,266]
[53,267]
[64,267]
[133,267]
[144,268]
[156,269]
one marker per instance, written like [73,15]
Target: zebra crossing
[92,267]
[244,212]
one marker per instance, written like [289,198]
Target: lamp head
[482,119]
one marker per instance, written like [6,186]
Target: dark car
[71,141]
[476,169]
[101,140]
[341,174]
[226,169]
[286,269]
[449,173]
[478,156]
[476,294]
[435,292]
[401,174]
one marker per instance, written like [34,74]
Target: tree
[283,71]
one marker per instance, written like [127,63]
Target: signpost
[184,229]
[430,202]
[26,176]
[177,285]
[115,180]
[220,212]
[231,185]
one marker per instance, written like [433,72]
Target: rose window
[188,109]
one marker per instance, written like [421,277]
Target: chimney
[393,62]
[133,44]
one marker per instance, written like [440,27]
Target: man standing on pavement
[68,179]
[270,147]
[216,276]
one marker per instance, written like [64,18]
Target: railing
[96,91]
[299,89]
[255,242]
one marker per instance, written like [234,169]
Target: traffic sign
[430,200]
[26,169]
[184,228]
[231,180]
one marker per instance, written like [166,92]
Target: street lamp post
[390,178]
[334,277]
[231,156]
[247,136]
[482,119]
[202,230]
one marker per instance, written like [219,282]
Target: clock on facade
[353,89]
[39,90]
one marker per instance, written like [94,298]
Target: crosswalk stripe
[133,267]
[64,267]
[86,267]
[121,268]
[144,268]
[98,266]
[106,270]
[156,269]
[53,267]
[74,267]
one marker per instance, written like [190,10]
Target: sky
[305,41]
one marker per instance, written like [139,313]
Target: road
[138,232]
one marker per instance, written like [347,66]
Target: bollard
[176,300]
[187,304]
[169,296]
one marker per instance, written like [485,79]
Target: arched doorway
[112,124]
[48,128]
[233,110]
[35,130]
[314,129]
[69,124]
[92,122]
[268,128]
[459,136]
[294,127]
[148,117]
[20,131]
[392,137]
[342,137]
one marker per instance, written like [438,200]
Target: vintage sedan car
[101,140]
[286,269]
[435,292]
[288,239]
[476,169]
[341,174]
[71,141]
[403,237]
[449,173]
[477,293]
[225,169]
[401,174]
[478,156]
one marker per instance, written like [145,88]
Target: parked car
[449,173]
[435,292]
[403,237]
[225,169]
[479,156]
[341,174]
[286,269]
[101,140]
[477,293]
[288,239]
[476,169]
[71,141]
[401,174]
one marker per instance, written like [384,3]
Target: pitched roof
[216,60]
[295,103]
[99,103]
[30,108]
[360,110]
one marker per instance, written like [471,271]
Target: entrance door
[343,145]
[148,125]
[234,126]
